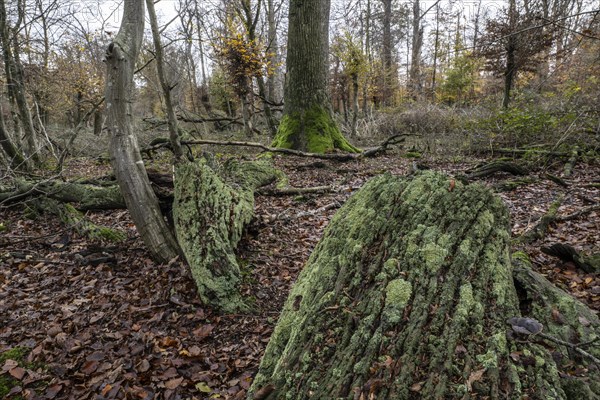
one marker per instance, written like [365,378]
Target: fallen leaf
[9,364]
[474,377]
[203,387]
[106,389]
[204,331]
[18,373]
[416,387]
[173,383]
[89,367]
[53,391]
[144,366]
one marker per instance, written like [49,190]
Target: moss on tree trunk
[210,212]
[313,131]
[407,296]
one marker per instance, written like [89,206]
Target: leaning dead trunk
[407,296]
[124,150]
[211,211]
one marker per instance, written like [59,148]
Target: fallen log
[210,211]
[407,296]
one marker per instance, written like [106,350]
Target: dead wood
[532,151]
[567,253]
[577,214]
[371,152]
[496,166]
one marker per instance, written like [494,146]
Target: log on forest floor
[211,210]
[408,294]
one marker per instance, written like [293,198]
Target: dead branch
[577,214]
[292,191]
[372,152]
[496,166]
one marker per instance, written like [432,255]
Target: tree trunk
[407,296]
[210,212]
[511,48]
[15,83]
[124,150]
[308,123]
[414,79]
[389,73]
[13,154]
[354,104]
[166,87]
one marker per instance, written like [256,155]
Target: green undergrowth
[7,382]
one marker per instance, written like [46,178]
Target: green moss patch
[313,130]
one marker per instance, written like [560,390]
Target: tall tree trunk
[250,22]
[369,54]
[408,295]
[354,103]
[124,150]
[275,79]
[414,79]
[435,52]
[511,48]
[166,87]
[308,123]
[15,80]
[389,73]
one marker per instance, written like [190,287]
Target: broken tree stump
[407,296]
[211,210]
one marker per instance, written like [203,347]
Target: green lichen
[466,302]
[397,293]
[313,130]
[497,346]
[433,256]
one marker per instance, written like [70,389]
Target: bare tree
[124,150]
[165,85]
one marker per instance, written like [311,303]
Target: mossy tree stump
[210,211]
[407,296]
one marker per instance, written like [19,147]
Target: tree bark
[15,83]
[166,87]
[511,48]
[414,79]
[13,154]
[308,124]
[210,212]
[124,150]
[389,72]
[407,296]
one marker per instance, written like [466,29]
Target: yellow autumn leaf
[203,387]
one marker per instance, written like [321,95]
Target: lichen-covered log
[566,319]
[86,196]
[210,212]
[407,296]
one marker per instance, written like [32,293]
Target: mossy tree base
[210,211]
[407,296]
[312,131]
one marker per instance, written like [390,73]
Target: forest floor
[94,320]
